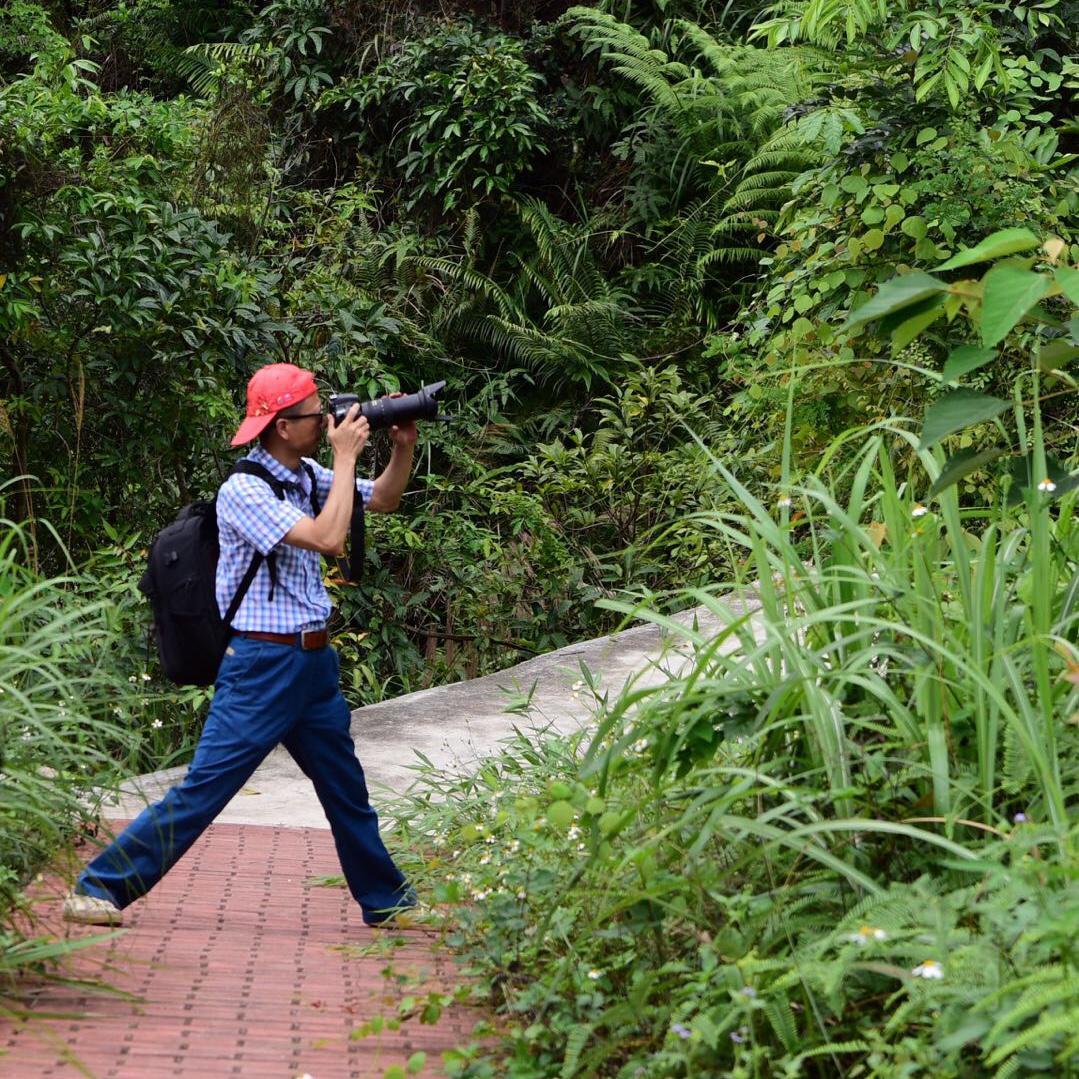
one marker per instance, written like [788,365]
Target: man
[278,681]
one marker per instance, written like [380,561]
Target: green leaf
[1056,354]
[956,411]
[962,464]
[1068,280]
[416,1062]
[560,814]
[895,294]
[914,227]
[394,1071]
[1008,294]
[965,359]
[1024,480]
[873,240]
[1005,242]
[920,317]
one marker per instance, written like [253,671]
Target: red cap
[271,389]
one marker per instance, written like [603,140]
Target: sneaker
[89,910]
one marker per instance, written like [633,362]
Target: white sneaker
[89,910]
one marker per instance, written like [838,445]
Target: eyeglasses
[304,416]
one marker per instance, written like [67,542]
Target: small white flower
[919,510]
[640,745]
[521,894]
[485,860]
[595,975]
[784,502]
[865,934]
[515,846]
[131,678]
[157,724]
[573,833]
[145,677]
[1047,485]
[580,846]
[928,968]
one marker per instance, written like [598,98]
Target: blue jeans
[265,693]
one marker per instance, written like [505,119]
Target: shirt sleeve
[249,506]
[324,477]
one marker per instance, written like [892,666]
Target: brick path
[239,970]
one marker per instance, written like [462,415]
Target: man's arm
[326,533]
[391,483]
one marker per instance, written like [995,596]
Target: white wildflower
[865,934]
[784,502]
[928,968]
[595,975]
[919,510]
[157,724]
[1047,486]
[145,677]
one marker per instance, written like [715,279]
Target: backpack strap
[247,467]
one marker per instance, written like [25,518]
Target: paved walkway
[235,965]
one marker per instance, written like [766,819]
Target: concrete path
[454,726]
[239,964]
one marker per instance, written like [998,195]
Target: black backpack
[180,581]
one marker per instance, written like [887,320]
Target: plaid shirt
[250,518]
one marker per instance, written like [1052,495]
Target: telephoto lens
[387,411]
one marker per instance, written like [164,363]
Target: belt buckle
[303,638]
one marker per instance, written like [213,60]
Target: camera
[387,411]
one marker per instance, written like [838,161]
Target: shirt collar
[275,467]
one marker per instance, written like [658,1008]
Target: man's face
[305,426]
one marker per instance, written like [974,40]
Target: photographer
[278,681]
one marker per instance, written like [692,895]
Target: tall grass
[62,697]
[760,866]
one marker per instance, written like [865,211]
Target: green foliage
[456,110]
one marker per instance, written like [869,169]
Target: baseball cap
[272,388]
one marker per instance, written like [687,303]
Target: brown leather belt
[307,639]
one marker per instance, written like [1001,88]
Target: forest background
[635,239]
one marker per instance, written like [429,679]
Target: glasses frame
[305,415]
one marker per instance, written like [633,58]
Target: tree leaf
[965,359]
[962,464]
[1068,280]
[914,320]
[956,411]
[1009,293]
[895,294]
[1005,242]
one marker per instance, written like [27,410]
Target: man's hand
[406,434]
[350,436]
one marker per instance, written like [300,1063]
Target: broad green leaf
[873,240]
[1008,294]
[962,464]
[1068,280]
[920,317]
[895,294]
[914,227]
[956,411]
[1056,354]
[965,359]
[1005,242]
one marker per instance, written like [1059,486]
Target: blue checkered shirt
[250,518]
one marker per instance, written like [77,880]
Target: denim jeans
[265,693]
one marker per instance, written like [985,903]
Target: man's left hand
[406,434]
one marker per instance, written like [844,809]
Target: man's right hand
[350,436]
